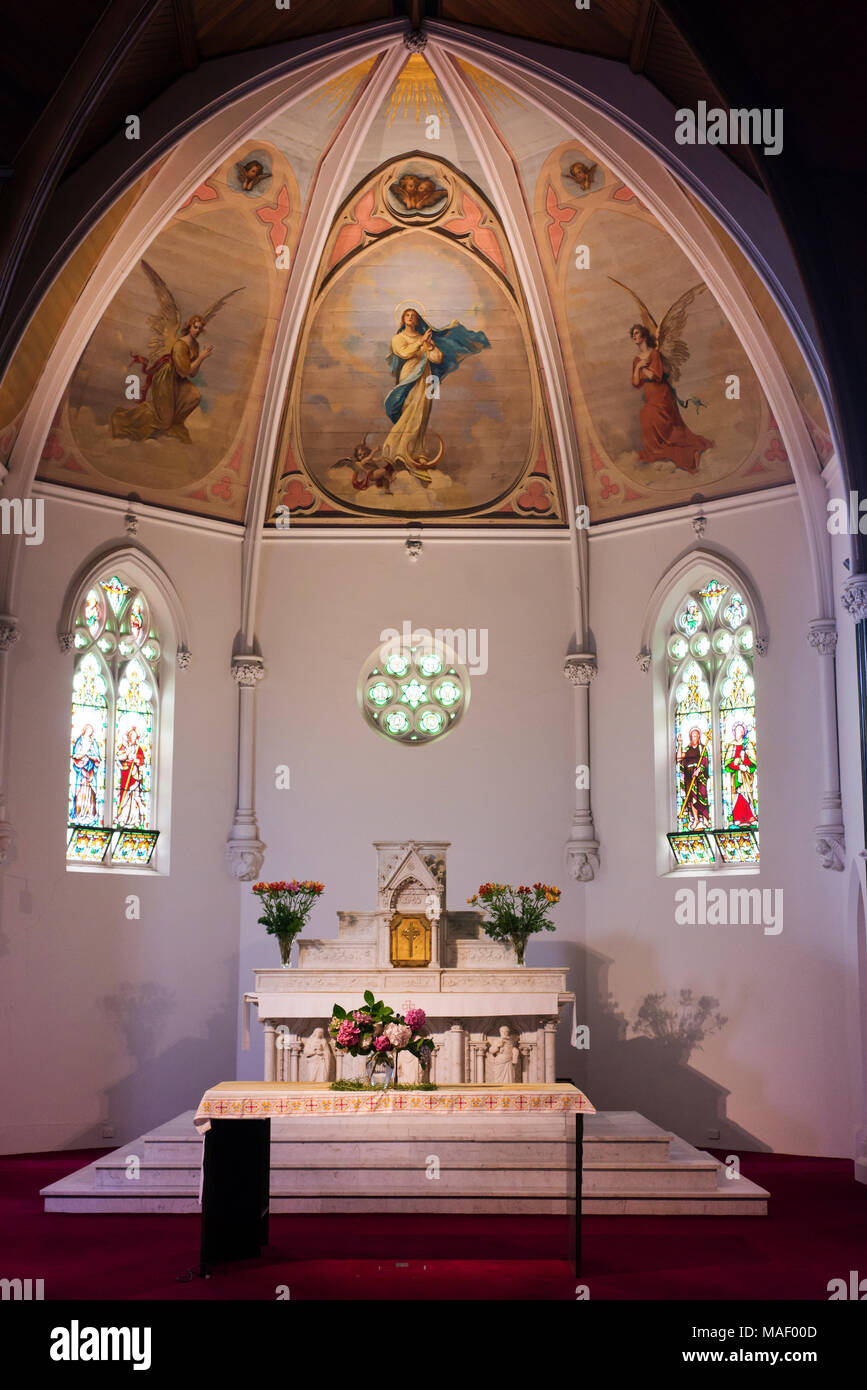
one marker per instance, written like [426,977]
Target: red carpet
[816,1231]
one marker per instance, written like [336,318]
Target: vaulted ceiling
[543,277]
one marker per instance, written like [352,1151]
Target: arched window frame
[135,567]
[687,576]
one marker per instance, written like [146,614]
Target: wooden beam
[44,154]
[642,34]
[186,27]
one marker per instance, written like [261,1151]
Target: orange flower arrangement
[516,914]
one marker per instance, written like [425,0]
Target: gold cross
[410,932]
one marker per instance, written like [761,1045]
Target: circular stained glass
[413,690]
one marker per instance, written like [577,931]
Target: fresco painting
[415,392]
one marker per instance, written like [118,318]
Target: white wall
[499,786]
[108,1021]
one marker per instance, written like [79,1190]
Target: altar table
[259,1102]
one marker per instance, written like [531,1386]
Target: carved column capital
[244,859]
[248,669]
[415,40]
[184,658]
[582,859]
[580,668]
[642,659]
[9,631]
[7,835]
[66,641]
[854,597]
[831,847]
[822,636]
[761,644]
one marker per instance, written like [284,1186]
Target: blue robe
[455,343]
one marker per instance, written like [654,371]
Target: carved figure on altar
[317,1057]
[503,1058]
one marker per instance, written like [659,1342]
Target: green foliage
[401,1086]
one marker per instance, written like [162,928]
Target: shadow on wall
[160,1084]
[649,1072]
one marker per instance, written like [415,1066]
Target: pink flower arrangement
[398,1034]
[348,1034]
[375,1031]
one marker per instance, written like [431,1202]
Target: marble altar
[492,1021]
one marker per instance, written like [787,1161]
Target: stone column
[453,1048]
[830,839]
[9,634]
[582,847]
[551,1049]
[294,1051]
[270,1049]
[854,600]
[244,850]
[526,1051]
[478,1047]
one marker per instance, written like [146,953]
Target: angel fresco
[175,357]
[665,436]
[416,192]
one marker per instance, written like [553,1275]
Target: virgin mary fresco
[420,356]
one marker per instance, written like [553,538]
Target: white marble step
[631,1167]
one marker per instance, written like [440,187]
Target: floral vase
[519,946]
[285,944]
[380,1069]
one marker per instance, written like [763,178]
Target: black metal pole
[579,1179]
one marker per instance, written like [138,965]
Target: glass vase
[381,1070]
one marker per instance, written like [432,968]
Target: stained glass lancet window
[113,732]
[712,722]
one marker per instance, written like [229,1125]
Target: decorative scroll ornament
[831,847]
[822,637]
[854,597]
[643,660]
[184,658]
[582,859]
[244,858]
[248,669]
[580,668]
[9,631]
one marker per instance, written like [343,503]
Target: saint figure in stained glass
[740,763]
[86,760]
[693,763]
[132,791]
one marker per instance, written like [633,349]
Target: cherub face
[409,182]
